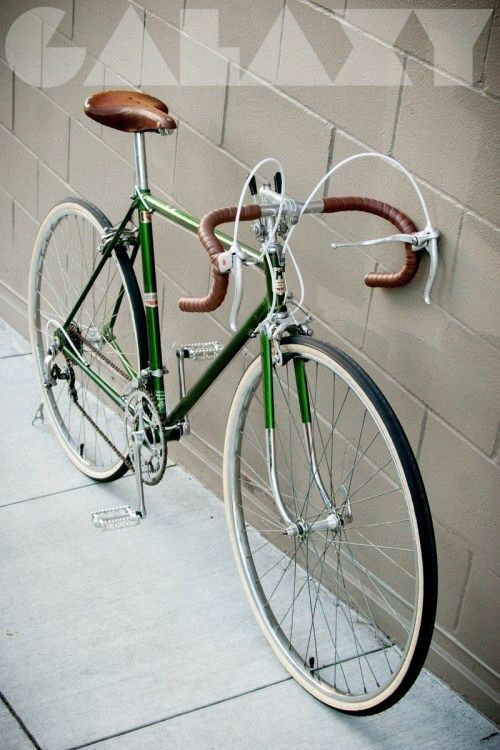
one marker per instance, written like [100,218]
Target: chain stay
[126,460]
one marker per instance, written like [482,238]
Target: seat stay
[106,252]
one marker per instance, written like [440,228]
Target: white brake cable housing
[236,251]
[429,234]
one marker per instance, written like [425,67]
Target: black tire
[238,521]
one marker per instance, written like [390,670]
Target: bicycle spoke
[334,598]
[68,256]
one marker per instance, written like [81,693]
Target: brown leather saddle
[129,111]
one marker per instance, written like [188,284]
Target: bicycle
[326,509]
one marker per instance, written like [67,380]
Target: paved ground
[141,638]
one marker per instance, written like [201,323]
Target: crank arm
[136,450]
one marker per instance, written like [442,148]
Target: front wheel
[348,606]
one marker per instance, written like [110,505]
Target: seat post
[141,168]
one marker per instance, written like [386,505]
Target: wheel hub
[300,528]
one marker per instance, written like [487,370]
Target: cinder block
[180,256]
[190,454]
[448,134]
[71,95]
[15,271]
[474,682]
[19,173]
[478,624]
[440,362]
[205,177]
[452,36]
[218,23]
[160,149]
[113,33]
[51,190]
[66,23]
[337,6]
[99,174]
[476,279]
[409,411]
[462,485]
[171,11]
[31,37]
[373,178]
[119,141]
[333,279]
[193,81]
[7,228]
[453,570]
[356,97]
[42,126]
[492,66]
[161,155]
[14,310]
[6,87]
[260,122]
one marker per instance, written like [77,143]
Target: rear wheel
[110,337]
[348,610]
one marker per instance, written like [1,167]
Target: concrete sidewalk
[142,638]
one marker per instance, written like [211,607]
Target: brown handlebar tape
[400,221]
[219,281]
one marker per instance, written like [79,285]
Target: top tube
[189,222]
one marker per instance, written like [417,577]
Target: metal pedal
[202,350]
[115,518]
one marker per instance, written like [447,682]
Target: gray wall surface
[268,94]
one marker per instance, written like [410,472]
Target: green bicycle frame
[146,204]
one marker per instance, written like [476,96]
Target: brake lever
[237,269]
[426,239]
[432,248]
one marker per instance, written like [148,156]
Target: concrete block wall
[438,365]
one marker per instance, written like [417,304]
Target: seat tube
[149,277]
[151,306]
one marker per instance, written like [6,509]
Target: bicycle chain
[126,460]
[98,353]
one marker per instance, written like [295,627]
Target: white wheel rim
[232,494]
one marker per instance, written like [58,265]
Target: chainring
[142,415]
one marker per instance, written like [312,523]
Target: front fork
[294,526]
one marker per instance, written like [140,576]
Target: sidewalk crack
[178,714]
[21,723]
